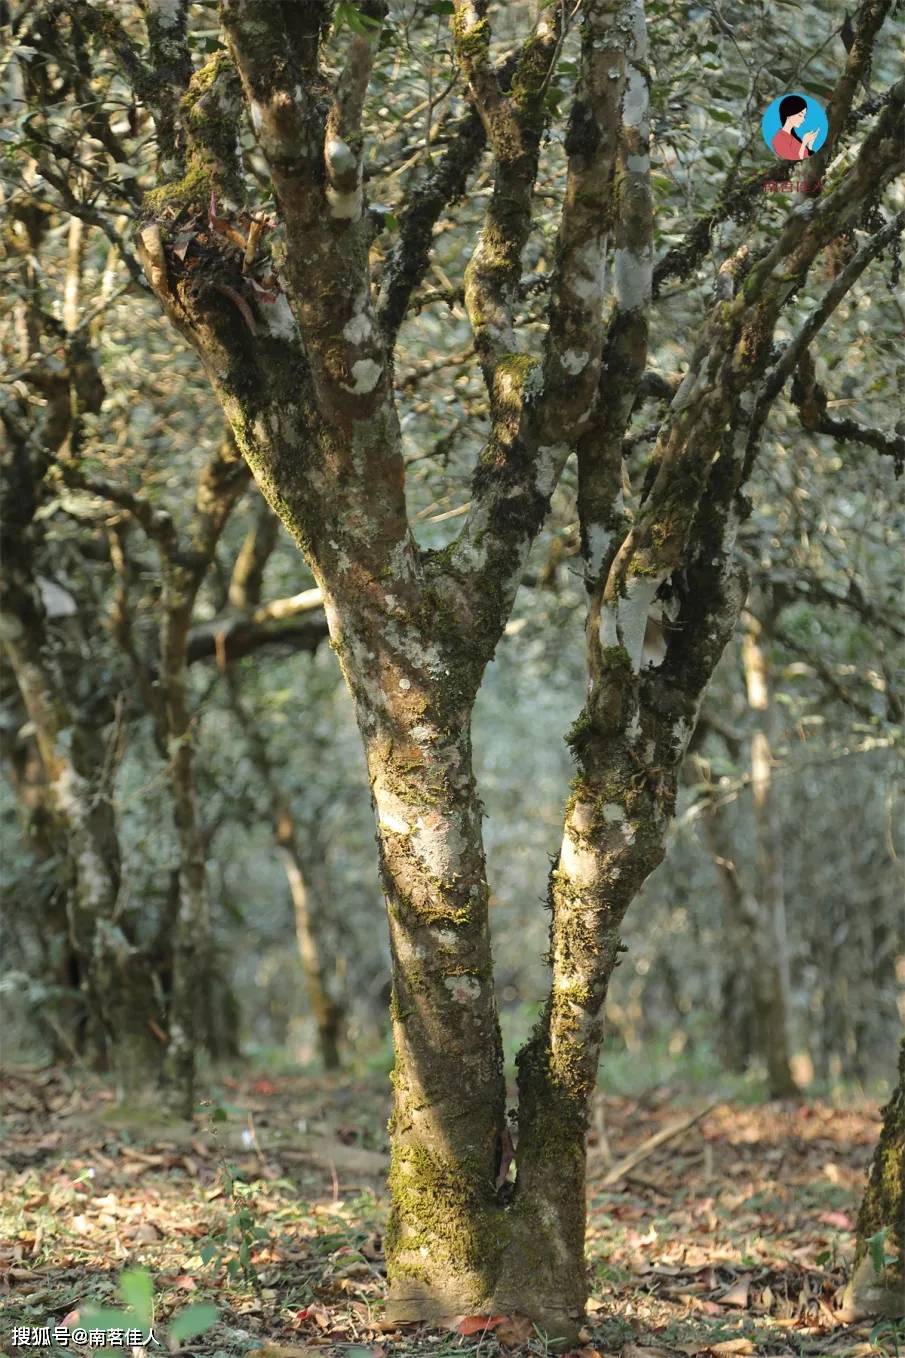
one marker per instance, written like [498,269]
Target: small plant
[889,1337]
[880,1260]
[136,1292]
[231,1246]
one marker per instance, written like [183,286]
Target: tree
[294,307]
[878,1273]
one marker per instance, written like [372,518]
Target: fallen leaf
[837,1219]
[478,1324]
[737,1295]
[515,1330]
[143,1233]
[283,1351]
[733,1346]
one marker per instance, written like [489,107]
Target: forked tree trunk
[308,390]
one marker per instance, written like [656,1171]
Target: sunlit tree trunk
[770,974]
[306,382]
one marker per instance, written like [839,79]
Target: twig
[624,1167]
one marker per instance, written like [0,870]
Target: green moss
[647,569]
[180,195]
[472,43]
[446,1207]
[518,367]
[209,110]
[615,658]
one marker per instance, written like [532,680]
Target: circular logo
[794,126]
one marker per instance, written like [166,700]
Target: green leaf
[348,16]
[877,1247]
[194,1320]
[137,1291]
[105,1318]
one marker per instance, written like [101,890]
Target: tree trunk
[447,1229]
[306,887]
[740,931]
[770,975]
[309,908]
[191,1009]
[874,1290]
[116,982]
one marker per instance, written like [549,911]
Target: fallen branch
[674,1129]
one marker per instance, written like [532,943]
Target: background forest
[764,959]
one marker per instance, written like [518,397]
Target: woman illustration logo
[794,126]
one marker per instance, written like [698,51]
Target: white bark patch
[551,458]
[638,163]
[67,790]
[574,360]
[345,206]
[58,602]
[634,276]
[257,115]
[357,329]
[600,541]
[463,989]
[634,107]
[681,734]
[391,811]
[340,157]
[613,813]
[587,280]
[438,843]
[578,862]
[278,318]
[166,12]
[582,816]
[623,621]
[365,376]
[639,29]
[405,685]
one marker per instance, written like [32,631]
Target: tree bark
[307,890]
[191,1015]
[875,1290]
[117,982]
[306,385]
[769,937]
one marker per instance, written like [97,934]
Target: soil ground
[731,1237]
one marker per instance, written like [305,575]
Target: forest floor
[729,1238]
